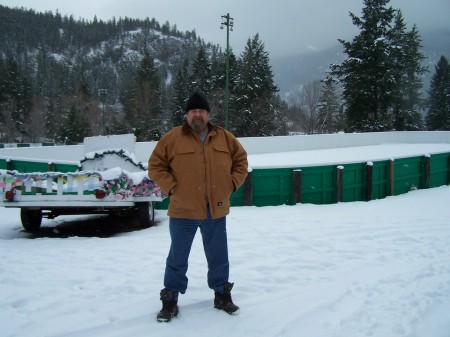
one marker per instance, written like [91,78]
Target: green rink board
[408,174]
[439,169]
[319,185]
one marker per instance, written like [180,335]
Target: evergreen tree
[218,82]
[50,121]
[3,95]
[405,51]
[256,109]
[218,70]
[3,99]
[367,73]
[117,126]
[41,82]
[180,93]
[142,108]
[438,116]
[201,76]
[73,128]
[382,76]
[15,102]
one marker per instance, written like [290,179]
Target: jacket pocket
[222,156]
[184,162]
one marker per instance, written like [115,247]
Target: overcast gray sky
[286,27]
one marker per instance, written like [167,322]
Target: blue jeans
[182,233]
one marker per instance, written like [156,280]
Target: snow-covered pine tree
[200,79]
[373,75]
[142,108]
[405,51]
[15,101]
[72,127]
[49,120]
[438,116]
[179,94]
[256,106]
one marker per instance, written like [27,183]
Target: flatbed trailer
[51,194]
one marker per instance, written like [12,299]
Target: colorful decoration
[120,184]
[123,188]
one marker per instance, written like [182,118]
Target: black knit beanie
[196,101]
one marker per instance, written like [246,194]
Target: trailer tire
[31,219]
[145,213]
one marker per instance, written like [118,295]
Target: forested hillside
[63,79]
[71,78]
[57,51]
[59,57]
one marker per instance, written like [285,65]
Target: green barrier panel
[23,145]
[64,168]
[28,167]
[354,182]
[380,179]
[408,174]
[319,185]
[439,169]
[163,204]
[272,187]
[238,198]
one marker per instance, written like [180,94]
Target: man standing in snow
[198,165]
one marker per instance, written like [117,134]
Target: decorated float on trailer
[109,180]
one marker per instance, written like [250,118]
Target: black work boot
[170,307]
[223,301]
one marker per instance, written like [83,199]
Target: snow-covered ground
[379,268]
[353,269]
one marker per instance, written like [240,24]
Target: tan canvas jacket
[196,173]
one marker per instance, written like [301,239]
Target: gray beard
[198,126]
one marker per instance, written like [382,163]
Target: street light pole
[228,22]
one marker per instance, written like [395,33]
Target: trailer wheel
[31,219]
[145,213]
